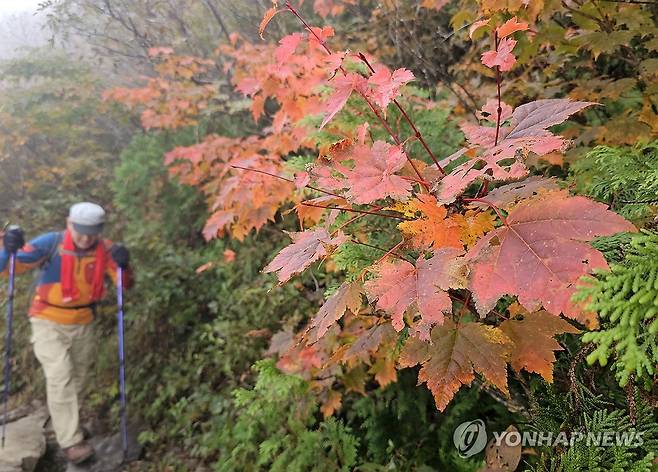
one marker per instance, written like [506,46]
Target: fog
[21,30]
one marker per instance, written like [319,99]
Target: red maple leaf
[343,85]
[399,285]
[287,46]
[373,176]
[347,297]
[501,57]
[306,248]
[540,253]
[489,111]
[386,86]
[528,132]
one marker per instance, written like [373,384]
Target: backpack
[42,267]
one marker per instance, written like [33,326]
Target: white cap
[87,218]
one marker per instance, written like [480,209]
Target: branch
[387,252]
[352,220]
[218,17]
[417,133]
[286,179]
[365,212]
[498,81]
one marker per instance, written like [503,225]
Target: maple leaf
[306,248]
[343,85]
[399,284]
[281,342]
[534,342]
[507,195]
[355,380]
[384,371]
[368,341]
[489,112]
[312,214]
[540,253]
[229,256]
[387,85]
[510,26]
[484,136]
[526,133]
[287,46]
[455,354]
[473,225]
[373,176]
[216,223]
[502,457]
[269,14]
[432,229]
[502,57]
[331,403]
[347,297]
[476,26]
[257,106]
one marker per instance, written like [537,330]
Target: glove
[14,239]
[120,255]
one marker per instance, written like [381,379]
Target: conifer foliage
[626,299]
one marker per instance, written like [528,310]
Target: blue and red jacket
[48,301]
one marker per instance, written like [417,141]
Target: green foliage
[158,207]
[613,247]
[626,178]
[582,456]
[188,329]
[275,426]
[592,418]
[275,429]
[402,430]
[626,298]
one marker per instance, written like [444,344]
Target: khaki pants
[64,352]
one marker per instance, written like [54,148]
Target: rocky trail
[30,446]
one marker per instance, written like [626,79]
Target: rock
[109,454]
[24,444]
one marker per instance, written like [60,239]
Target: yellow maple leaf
[473,225]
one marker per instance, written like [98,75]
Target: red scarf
[70,291]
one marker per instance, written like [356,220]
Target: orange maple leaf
[432,229]
[534,342]
[455,354]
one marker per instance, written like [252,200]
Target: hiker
[74,265]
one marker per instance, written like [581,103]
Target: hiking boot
[78,453]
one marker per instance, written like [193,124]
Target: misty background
[22,26]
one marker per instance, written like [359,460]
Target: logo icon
[470,438]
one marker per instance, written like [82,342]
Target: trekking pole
[10,318]
[122,364]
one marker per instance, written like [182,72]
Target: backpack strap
[44,263]
[52,252]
